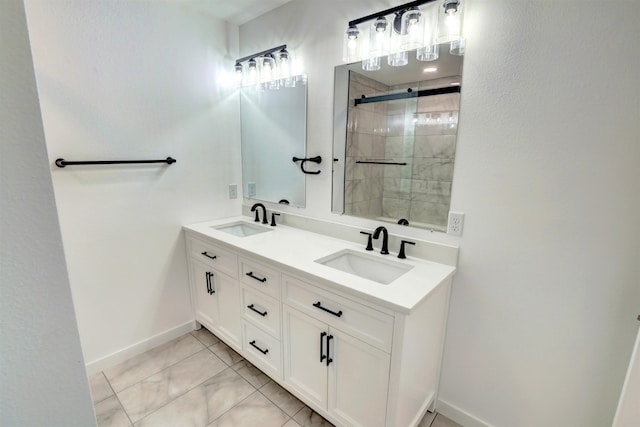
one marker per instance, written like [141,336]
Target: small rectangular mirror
[274,130]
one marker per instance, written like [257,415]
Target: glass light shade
[411,29]
[450,21]
[351,46]
[371,64]
[428,53]
[379,37]
[268,69]
[252,73]
[398,59]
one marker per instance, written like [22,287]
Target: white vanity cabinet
[341,374]
[214,289]
[356,359]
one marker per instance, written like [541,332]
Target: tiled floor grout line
[117,398]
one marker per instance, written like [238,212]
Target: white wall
[542,317]
[134,80]
[42,375]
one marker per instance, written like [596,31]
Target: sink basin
[242,229]
[370,267]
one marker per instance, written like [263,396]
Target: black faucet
[273,218]
[385,239]
[254,208]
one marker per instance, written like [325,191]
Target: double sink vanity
[356,335]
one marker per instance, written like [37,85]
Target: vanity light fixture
[271,68]
[421,25]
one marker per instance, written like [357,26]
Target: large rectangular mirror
[395,140]
[274,130]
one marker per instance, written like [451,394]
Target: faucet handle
[401,254]
[369,241]
[273,218]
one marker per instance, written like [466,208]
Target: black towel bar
[62,162]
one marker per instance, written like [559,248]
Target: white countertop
[298,249]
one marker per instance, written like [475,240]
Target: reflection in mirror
[274,129]
[395,140]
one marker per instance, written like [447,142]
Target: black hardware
[273,218]
[205,253]
[369,241]
[253,344]
[329,359]
[366,162]
[261,313]
[322,356]
[389,11]
[263,279]
[403,221]
[210,290]
[385,239]
[62,162]
[401,255]
[284,202]
[316,159]
[255,207]
[264,52]
[408,94]
[319,305]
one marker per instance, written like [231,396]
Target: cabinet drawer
[261,310]
[260,277]
[262,350]
[214,256]
[362,322]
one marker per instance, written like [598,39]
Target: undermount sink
[370,267]
[242,229]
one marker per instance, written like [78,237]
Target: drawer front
[261,310]
[260,277]
[262,350]
[362,322]
[214,256]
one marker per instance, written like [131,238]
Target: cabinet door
[304,370]
[229,325]
[205,301]
[358,381]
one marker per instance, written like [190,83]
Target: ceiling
[237,12]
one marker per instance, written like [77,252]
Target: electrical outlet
[456,220]
[233,191]
[251,189]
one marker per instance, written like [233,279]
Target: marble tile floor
[197,380]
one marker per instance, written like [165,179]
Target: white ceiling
[235,11]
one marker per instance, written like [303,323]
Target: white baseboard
[458,415]
[138,348]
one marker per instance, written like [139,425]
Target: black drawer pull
[263,279]
[322,355]
[261,313]
[319,305]
[329,360]
[253,344]
[210,290]
[205,253]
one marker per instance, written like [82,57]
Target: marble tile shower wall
[420,132]
[366,135]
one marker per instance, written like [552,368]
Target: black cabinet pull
[205,253]
[322,356]
[263,279]
[261,313]
[319,305]
[210,290]
[329,360]
[253,344]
